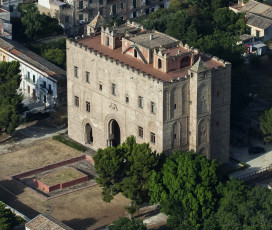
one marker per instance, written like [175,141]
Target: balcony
[47,91]
[29,80]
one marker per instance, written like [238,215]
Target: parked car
[255,149]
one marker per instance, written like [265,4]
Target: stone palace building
[130,81]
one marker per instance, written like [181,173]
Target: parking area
[255,161]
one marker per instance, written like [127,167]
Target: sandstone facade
[130,81]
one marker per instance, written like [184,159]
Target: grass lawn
[61,176]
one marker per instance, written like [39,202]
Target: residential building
[131,81]
[74,15]
[11,6]
[258,18]
[5,25]
[41,79]
[45,222]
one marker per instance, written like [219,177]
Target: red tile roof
[94,43]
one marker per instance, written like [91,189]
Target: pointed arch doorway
[114,133]
[88,134]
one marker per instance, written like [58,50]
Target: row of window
[113,91]
[140,102]
[141,134]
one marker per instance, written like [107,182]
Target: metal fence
[256,172]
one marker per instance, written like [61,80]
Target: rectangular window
[153,107]
[122,5]
[101,11]
[249,30]
[44,84]
[100,2]
[175,106]
[34,78]
[113,89]
[76,101]
[90,14]
[66,19]
[80,17]
[152,138]
[88,107]
[87,77]
[134,3]
[140,131]
[90,1]
[257,33]
[76,71]
[140,101]
[80,5]
[28,75]
[113,9]
[50,88]
[100,87]
[127,99]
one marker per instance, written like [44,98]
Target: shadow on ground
[80,224]
[8,192]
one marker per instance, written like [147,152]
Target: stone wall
[104,106]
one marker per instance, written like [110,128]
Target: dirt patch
[83,209]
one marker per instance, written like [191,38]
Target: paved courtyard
[255,161]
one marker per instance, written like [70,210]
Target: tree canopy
[126,169]
[242,207]
[38,25]
[206,25]
[266,124]
[186,189]
[10,101]
[126,224]
[7,219]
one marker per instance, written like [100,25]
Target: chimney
[151,36]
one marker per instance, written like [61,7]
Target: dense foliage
[202,24]
[242,207]
[7,219]
[186,187]
[33,25]
[54,52]
[126,169]
[10,101]
[126,224]
[266,124]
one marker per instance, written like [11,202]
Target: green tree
[126,169]
[36,24]
[126,224]
[242,207]
[10,101]
[266,124]
[7,219]
[57,56]
[186,189]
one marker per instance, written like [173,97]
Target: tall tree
[10,101]
[126,169]
[185,187]
[266,124]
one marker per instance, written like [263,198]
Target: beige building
[258,18]
[131,81]
[73,15]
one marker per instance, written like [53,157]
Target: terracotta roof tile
[116,54]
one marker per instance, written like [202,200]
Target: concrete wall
[105,106]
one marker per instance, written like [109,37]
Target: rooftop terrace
[94,43]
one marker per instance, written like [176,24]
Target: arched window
[159,64]
[107,41]
[186,61]
[135,53]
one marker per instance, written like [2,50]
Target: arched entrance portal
[88,134]
[114,133]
